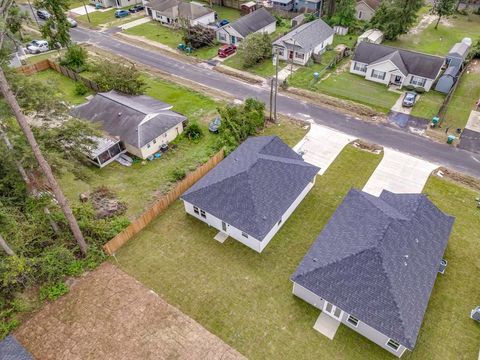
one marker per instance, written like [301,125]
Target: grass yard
[65,86]
[47,55]
[428,105]
[464,98]
[342,84]
[264,68]
[107,18]
[154,31]
[244,297]
[439,41]
[139,184]
[223,12]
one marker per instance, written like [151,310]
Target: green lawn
[107,18]
[241,296]
[439,41]
[154,31]
[139,184]
[65,86]
[463,100]
[346,86]
[264,68]
[428,105]
[223,12]
[48,55]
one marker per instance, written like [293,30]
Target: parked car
[72,22]
[223,23]
[215,125]
[121,13]
[409,99]
[226,50]
[38,46]
[136,8]
[43,14]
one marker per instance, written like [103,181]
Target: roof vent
[315,259]
[416,240]
[264,217]
[119,114]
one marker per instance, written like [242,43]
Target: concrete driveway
[398,106]
[322,145]
[399,173]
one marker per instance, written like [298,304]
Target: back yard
[245,298]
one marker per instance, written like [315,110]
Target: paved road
[385,135]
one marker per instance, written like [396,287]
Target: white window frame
[245,235]
[222,36]
[418,81]
[376,74]
[360,67]
[392,344]
[196,210]
[352,320]
[203,214]
[299,55]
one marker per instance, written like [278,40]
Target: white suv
[38,46]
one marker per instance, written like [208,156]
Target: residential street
[382,134]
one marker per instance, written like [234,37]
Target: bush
[193,132]
[419,90]
[75,58]
[53,292]
[121,77]
[80,88]
[409,87]
[255,48]
[54,264]
[177,174]
[198,36]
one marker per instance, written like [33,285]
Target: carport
[399,173]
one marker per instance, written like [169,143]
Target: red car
[226,50]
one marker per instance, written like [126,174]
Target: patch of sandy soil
[474,66]
[426,20]
[457,177]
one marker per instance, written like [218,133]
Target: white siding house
[170,12]
[365,9]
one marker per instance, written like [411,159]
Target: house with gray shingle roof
[169,12]
[394,66]
[260,21]
[374,265]
[143,124]
[304,41]
[253,191]
[12,349]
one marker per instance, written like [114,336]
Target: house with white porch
[303,42]
[258,21]
[252,192]
[374,265]
[169,12]
[393,66]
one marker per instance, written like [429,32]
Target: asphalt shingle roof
[185,9]
[459,49]
[308,36]
[137,120]
[414,62]
[253,187]
[253,22]
[11,349]
[378,258]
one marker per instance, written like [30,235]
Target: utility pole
[86,11]
[276,86]
[33,13]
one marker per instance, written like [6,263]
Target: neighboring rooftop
[136,120]
[372,4]
[186,10]
[253,186]
[377,259]
[253,22]
[412,62]
[459,49]
[11,349]
[307,36]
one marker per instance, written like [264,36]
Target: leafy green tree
[121,77]
[75,58]
[396,17]
[255,48]
[56,29]
[443,8]
[198,36]
[344,13]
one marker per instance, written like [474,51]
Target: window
[378,74]
[419,81]
[281,52]
[279,222]
[393,344]
[148,146]
[196,211]
[353,320]
[203,214]
[360,67]
[299,55]
[222,37]
[155,141]
[245,235]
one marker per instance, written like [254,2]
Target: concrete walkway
[81,10]
[221,237]
[322,145]
[326,325]
[134,23]
[399,173]
[286,72]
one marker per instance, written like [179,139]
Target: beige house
[143,124]
[365,9]
[169,12]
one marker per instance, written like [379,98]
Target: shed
[448,79]
[457,54]
[373,36]
[340,30]
[248,7]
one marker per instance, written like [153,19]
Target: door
[290,54]
[333,311]
[224,227]
[398,79]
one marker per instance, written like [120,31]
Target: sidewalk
[134,23]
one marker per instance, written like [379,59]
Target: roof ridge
[118,102]
[402,49]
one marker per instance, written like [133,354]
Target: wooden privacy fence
[160,205]
[49,64]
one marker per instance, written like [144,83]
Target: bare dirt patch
[474,66]
[465,180]
[366,146]
[110,315]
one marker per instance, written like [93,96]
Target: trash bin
[316,75]
[435,121]
[450,139]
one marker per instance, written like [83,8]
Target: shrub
[419,90]
[54,264]
[193,132]
[121,77]
[75,58]
[7,326]
[198,36]
[409,87]
[80,88]
[177,174]
[255,48]
[53,292]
